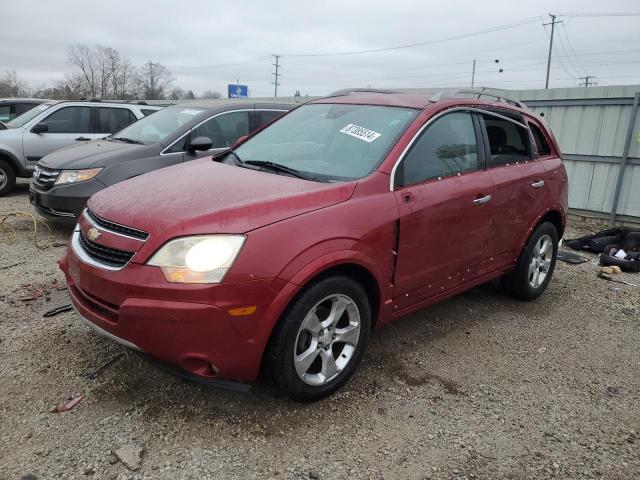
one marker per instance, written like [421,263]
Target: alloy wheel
[3,179]
[540,261]
[327,339]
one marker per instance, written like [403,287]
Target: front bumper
[189,327]
[63,200]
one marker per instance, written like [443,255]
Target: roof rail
[478,93]
[349,91]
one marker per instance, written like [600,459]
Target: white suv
[56,124]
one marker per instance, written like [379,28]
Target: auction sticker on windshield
[360,132]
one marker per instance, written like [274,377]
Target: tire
[533,273]
[314,341]
[7,178]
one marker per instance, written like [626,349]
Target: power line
[566,34]
[420,44]
[599,14]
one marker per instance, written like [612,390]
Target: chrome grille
[111,257]
[44,177]
[116,227]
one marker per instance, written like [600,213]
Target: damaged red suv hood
[203,196]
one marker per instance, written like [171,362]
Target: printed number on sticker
[360,132]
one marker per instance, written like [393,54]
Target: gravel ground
[479,386]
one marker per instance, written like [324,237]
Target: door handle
[538,184]
[82,139]
[482,200]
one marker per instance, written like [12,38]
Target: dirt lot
[480,386]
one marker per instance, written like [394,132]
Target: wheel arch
[342,265]
[12,161]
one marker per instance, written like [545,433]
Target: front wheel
[7,178]
[320,339]
[536,264]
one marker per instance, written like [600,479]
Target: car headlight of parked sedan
[75,176]
[198,259]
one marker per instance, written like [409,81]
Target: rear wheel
[536,264]
[320,339]
[7,178]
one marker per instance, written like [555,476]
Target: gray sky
[207,44]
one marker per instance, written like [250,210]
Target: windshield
[28,116]
[156,127]
[330,141]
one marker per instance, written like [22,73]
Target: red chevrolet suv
[281,254]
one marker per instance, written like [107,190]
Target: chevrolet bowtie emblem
[93,234]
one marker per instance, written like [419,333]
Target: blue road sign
[238,91]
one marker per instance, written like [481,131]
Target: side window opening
[508,142]
[69,120]
[446,148]
[113,119]
[224,129]
[541,141]
[180,146]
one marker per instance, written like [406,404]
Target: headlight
[199,259]
[75,176]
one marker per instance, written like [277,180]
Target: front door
[444,199]
[67,126]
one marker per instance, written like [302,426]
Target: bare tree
[210,94]
[83,57]
[154,79]
[13,86]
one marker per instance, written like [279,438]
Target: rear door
[519,193]
[67,126]
[444,199]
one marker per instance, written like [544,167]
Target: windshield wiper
[278,168]
[128,140]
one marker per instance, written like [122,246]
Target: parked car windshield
[331,142]
[158,126]
[26,117]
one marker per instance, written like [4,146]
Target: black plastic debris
[57,310]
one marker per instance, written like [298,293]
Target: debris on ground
[35,291]
[57,310]
[609,278]
[130,455]
[572,258]
[69,405]
[93,375]
[4,267]
[611,270]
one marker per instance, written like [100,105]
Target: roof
[225,103]
[413,99]
[382,98]
[23,100]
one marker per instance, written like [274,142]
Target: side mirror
[40,128]
[199,144]
[239,141]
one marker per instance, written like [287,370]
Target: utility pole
[553,27]
[473,73]
[588,81]
[276,75]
